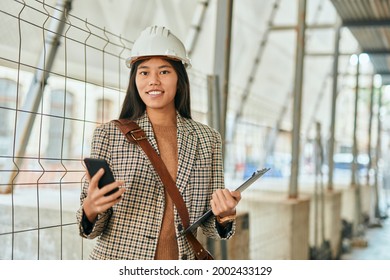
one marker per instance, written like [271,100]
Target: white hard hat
[158,41]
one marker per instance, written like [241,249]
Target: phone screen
[93,165]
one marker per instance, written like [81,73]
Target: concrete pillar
[278,226]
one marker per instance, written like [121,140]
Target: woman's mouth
[154,92]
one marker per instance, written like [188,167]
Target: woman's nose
[152,83]
[154,80]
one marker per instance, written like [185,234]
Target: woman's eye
[143,73]
[164,72]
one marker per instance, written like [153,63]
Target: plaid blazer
[130,229]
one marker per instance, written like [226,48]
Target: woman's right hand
[95,202]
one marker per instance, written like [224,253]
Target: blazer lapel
[187,144]
[145,124]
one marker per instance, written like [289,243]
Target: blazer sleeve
[100,148]
[209,227]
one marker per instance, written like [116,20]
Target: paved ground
[378,247]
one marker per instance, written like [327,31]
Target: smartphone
[93,165]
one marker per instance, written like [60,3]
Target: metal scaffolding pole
[370,131]
[354,167]
[271,137]
[357,226]
[213,101]
[333,106]
[222,59]
[25,121]
[222,69]
[196,26]
[299,65]
[378,155]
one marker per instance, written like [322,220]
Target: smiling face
[156,82]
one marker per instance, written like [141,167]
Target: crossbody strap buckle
[136,137]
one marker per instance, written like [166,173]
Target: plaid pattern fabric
[130,230]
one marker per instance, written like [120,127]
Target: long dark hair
[133,107]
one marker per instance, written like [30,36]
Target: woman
[140,221]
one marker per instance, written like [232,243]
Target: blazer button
[184,257]
[179,228]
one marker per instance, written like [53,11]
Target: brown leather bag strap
[136,135]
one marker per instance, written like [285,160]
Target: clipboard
[255,176]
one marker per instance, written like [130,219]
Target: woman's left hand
[224,202]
